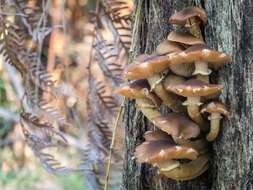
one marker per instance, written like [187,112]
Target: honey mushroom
[185,40]
[178,138]
[146,101]
[192,18]
[187,171]
[193,90]
[216,109]
[203,59]
[154,79]
[160,150]
[177,125]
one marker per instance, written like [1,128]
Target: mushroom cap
[201,52]
[145,66]
[157,135]
[215,107]
[138,89]
[134,89]
[181,17]
[194,87]
[177,125]
[184,38]
[158,151]
[166,47]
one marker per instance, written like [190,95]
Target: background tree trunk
[230,29]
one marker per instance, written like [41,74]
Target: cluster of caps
[177,76]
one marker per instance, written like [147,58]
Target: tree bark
[230,30]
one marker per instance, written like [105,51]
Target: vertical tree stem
[107,176]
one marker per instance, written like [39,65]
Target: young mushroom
[155,82]
[159,151]
[146,101]
[145,66]
[188,171]
[216,109]
[177,125]
[138,89]
[186,40]
[192,18]
[194,89]
[166,47]
[203,58]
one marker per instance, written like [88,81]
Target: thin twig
[112,144]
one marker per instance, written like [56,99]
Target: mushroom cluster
[177,76]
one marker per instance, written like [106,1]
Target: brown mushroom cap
[194,87]
[145,66]
[161,150]
[201,52]
[184,38]
[177,125]
[134,89]
[215,107]
[166,47]
[157,135]
[181,17]
[138,89]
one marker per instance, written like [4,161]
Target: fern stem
[107,176]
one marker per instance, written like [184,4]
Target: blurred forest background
[60,61]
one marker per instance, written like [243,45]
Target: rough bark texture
[230,29]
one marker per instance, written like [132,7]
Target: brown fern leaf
[48,161]
[40,77]
[50,164]
[120,12]
[40,129]
[43,107]
[105,131]
[111,57]
[11,41]
[109,102]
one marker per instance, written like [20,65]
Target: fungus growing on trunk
[153,152]
[188,171]
[192,18]
[138,89]
[203,57]
[216,109]
[194,89]
[184,39]
[145,66]
[166,47]
[177,125]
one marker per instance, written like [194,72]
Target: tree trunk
[230,30]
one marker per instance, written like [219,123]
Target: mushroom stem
[168,99]
[201,145]
[202,71]
[214,126]
[193,104]
[190,170]
[148,109]
[195,28]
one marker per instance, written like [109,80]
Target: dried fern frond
[40,77]
[109,102]
[11,41]
[50,164]
[42,130]
[105,131]
[119,13]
